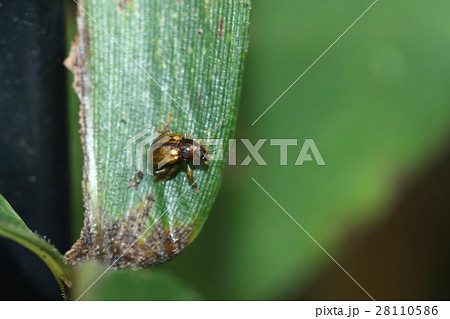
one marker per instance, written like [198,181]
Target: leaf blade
[139,64]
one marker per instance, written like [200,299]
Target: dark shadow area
[33,143]
[406,257]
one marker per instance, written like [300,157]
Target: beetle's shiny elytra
[170,151]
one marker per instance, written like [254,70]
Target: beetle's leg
[190,174]
[169,120]
[173,169]
[160,172]
[168,171]
[162,130]
[166,126]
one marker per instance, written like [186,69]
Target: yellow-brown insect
[170,151]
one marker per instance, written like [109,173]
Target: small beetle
[171,150]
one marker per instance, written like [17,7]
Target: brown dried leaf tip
[132,242]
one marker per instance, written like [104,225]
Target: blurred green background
[378,108]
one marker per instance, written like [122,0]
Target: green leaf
[128,285]
[135,64]
[13,227]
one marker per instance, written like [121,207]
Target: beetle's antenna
[210,153]
[168,122]
[213,134]
[214,150]
[217,127]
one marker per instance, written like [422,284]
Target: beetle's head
[192,150]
